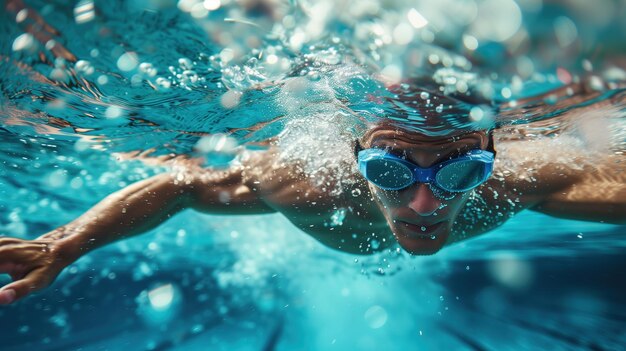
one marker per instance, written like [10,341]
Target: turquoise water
[161,78]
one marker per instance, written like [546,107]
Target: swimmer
[421,192]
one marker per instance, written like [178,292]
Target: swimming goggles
[391,172]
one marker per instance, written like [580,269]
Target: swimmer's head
[421,215]
[425,127]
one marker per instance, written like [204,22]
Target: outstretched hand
[32,264]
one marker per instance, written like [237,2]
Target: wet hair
[490,145]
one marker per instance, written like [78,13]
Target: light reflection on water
[178,78]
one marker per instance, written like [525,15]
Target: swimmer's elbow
[225,193]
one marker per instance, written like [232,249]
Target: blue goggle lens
[388,174]
[461,176]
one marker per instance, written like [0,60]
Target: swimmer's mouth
[420,230]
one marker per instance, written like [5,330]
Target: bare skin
[411,217]
[387,216]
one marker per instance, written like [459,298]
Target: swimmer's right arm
[34,264]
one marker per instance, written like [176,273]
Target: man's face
[421,216]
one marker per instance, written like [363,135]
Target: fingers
[15,270]
[33,281]
[7,296]
[7,241]
[21,251]
[32,265]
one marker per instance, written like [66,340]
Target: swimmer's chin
[422,245]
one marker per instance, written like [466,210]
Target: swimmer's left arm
[597,193]
[592,193]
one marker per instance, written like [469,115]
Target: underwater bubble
[511,271]
[433,59]
[84,67]
[148,69]
[403,34]
[76,183]
[84,11]
[498,20]
[506,92]
[60,62]
[313,76]
[127,61]
[185,63]
[596,83]
[57,178]
[25,42]
[212,5]
[614,74]
[424,95]
[21,16]
[189,77]
[114,111]
[60,75]
[163,83]
[218,149]
[416,19]
[162,297]
[391,73]
[476,114]
[59,319]
[271,59]
[226,55]
[198,11]
[230,99]
[81,145]
[461,87]
[102,79]
[470,42]
[197,328]
[159,304]
[356,192]
[50,44]
[375,317]
[336,219]
[297,40]
[186,5]
[375,244]
[565,31]
[525,67]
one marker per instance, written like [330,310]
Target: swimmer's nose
[423,201]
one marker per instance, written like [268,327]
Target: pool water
[111,81]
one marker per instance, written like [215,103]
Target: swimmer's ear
[357,149]
[490,146]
